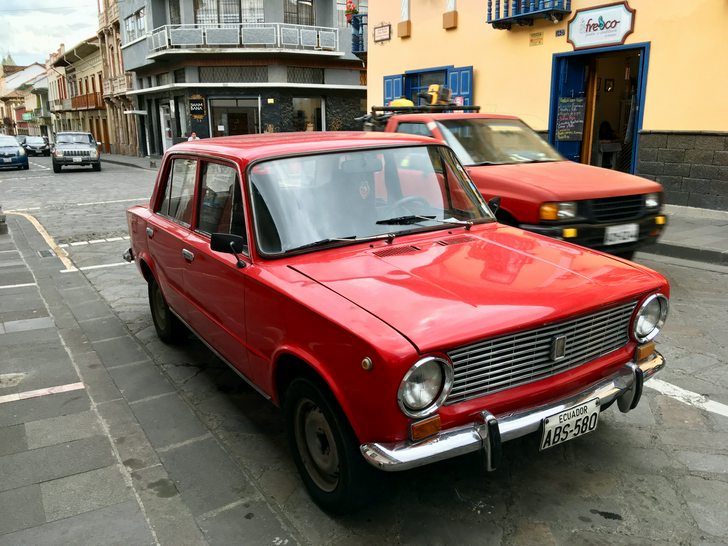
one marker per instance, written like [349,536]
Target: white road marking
[4,251]
[26,178]
[41,392]
[18,285]
[40,166]
[62,255]
[90,267]
[31,209]
[95,241]
[687,397]
[140,199]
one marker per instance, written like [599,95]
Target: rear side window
[221,206]
[179,191]
[414,129]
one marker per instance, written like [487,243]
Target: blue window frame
[414,82]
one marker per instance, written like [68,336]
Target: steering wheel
[414,204]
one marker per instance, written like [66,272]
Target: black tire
[626,254]
[26,167]
[56,168]
[325,450]
[169,329]
[97,166]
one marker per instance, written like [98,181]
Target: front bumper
[74,160]
[15,161]
[592,235]
[490,431]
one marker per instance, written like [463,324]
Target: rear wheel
[169,328]
[325,449]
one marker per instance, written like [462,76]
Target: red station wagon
[360,281]
[540,190]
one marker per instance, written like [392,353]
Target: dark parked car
[20,139]
[12,154]
[35,145]
[75,148]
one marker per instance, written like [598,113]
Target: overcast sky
[31,29]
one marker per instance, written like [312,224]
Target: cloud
[32,29]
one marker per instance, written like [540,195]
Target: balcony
[359,25]
[90,101]
[110,15]
[233,38]
[118,85]
[504,14]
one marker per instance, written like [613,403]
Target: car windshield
[35,140]
[336,198]
[73,139]
[8,141]
[480,141]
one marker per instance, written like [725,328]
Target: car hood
[492,280]
[8,148]
[565,180]
[74,145]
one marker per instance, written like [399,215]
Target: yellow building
[637,85]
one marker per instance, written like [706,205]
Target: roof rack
[426,108]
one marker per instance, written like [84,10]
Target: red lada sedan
[360,281]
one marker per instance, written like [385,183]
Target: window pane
[217,198]
[299,12]
[182,190]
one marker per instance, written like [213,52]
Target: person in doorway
[193,136]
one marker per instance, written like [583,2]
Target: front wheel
[56,168]
[97,166]
[168,326]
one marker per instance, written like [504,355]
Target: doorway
[597,104]
[165,117]
[235,116]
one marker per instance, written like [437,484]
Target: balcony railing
[245,36]
[359,25]
[117,85]
[506,13]
[89,101]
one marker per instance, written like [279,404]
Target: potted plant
[350,10]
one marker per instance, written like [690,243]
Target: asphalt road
[658,475]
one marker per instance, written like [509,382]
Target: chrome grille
[83,153]
[610,209]
[516,359]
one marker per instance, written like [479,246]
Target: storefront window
[308,114]
[235,116]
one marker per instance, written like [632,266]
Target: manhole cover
[45,253]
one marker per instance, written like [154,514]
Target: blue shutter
[392,88]
[460,82]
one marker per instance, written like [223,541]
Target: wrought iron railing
[503,14]
[245,35]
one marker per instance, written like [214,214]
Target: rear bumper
[490,431]
[592,235]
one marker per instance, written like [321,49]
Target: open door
[569,107]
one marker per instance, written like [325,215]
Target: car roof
[73,133]
[267,145]
[451,115]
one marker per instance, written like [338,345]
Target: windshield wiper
[484,163]
[404,220]
[349,239]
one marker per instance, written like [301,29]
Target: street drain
[45,253]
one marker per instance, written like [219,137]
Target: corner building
[230,67]
[638,86]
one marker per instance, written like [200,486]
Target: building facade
[116,82]
[14,81]
[636,85]
[79,80]
[228,67]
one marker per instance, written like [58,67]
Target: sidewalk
[691,234]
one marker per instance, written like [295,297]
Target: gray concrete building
[229,67]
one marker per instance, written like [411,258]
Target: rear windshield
[73,139]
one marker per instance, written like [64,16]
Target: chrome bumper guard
[487,435]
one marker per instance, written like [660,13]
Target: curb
[687,253]
[153,166]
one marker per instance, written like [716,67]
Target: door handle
[150,232]
[188,255]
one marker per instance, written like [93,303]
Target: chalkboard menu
[570,118]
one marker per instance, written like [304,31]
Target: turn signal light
[425,428]
[643,351]
[549,211]
[568,233]
[660,220]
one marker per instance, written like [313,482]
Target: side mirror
[494,204]
[228,244]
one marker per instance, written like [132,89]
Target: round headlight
[424,387]
[649,318]
[652,200]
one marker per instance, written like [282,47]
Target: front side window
[316,200]
[179,191]
[220,202]
[480,141]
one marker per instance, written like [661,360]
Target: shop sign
[382,33]
[535,39]
[27,116]
[601,26]
[198,109]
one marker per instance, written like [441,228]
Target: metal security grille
[507,361]
[610,209]
[232,74]
[304,74]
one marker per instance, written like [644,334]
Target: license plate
[570,423]
[77,159]
[626,233]
[7,160]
